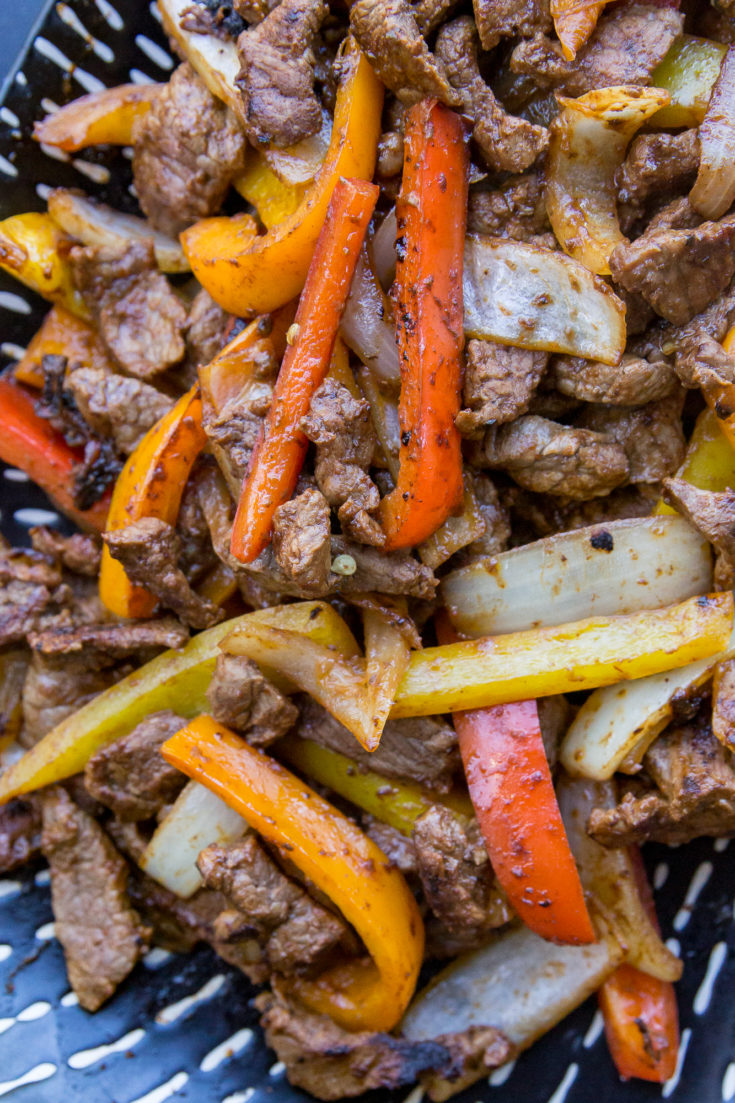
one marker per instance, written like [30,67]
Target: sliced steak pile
[100,932]
[188,148]
[499,383]
[241,697]
[116,405]
[20,832]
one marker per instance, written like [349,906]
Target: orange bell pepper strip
[279,454]
[273,198]
[101,118]
[513,795]
[431,214]
[223,378]
[30,443]
[61,334]
[335,855]
[639,1011]
[262,273]
[574,22]
[150,485]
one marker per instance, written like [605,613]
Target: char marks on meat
[188,149]
[651,435]
[149,550]
[101,934]
[633,382]
[301,541]
[508,144]
[499,383]
[140,317]
[389,35]
[241,697]
[20,832]
[116,405]
[130,776]
[277,77]
[114,640]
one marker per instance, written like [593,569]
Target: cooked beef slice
[546,516]
[651,435]
[499,382]
[397,847]
[301,541]
[187,150]
[22,605]
[116,405]
[702,362]
[507,143]
[206,327]
[475,1052]
[633,382]
[78,553]
[177,924]
[517,209]
[392,573]
[713,514]
[657,165]
[277,76]
[297,932]
[241,697]
[130,776]
[625,48]
[341,428]
[115,640]
[694,795]
[20,832]
[455,871]
[678,271]
[497,522]
[333,1064]
[388,34]
[55,687]
[101,935]
[140,317]
[148,550]
[723,702]
[543,456]
[422,749]
[508,18]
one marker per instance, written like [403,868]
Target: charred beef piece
[116,640]
[543,456]
[55,687]
[422,749]
[178,924]
[140,317]
[389,35]
[517,209]
[206,327]
[679,271]
[301,541]
[456,874]
[277,77]
[342,429]
[657,165]
[695,793]
[78,553]
[20,832]
[625,48]
[297,933]
[499,382]
[331,1063]
[651,435]
[102,936]
[148,550]
[188,149]
[508,144]
[714,515]
[241,697]
[130,776]
[116,405]
[633,382]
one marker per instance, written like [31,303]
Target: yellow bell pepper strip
[688,73]
[710,459]
[218,586]
[397,803]
[263,273]
[61,334]
[273,199]
[335,856]
[35,251]
[30,443]
[176,680]
[431,215]
[279,453]
[101,118]
[150,485]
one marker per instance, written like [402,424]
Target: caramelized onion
[367,325]
[714,188]
[300,163]
[216,60]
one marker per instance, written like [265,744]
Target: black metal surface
[159,1059]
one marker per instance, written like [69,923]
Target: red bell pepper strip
[30,443]
[639,1011]
[279,454]
[510,784]
[431,216]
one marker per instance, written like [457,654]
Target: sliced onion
[601,570]
[714,188]
[609,876]
[367,325]
[519,294]
[616,725]
[97,224]
[384,250]
[300,163]
[384,415]
[197,819]
[589,139]
[216,60]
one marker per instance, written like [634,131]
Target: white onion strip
[216,60]
[714,188]
[367,325]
